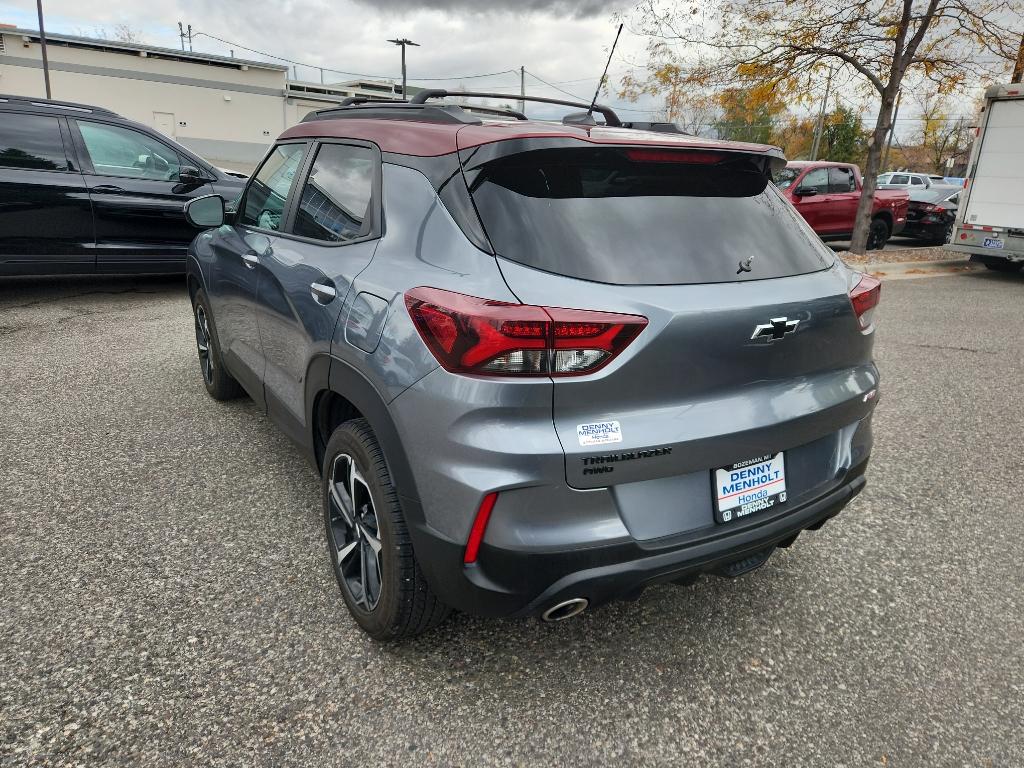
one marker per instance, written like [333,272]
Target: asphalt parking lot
[166,598]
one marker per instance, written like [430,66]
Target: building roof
[428,139]
[151,50]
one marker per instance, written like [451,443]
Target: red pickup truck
[827,195]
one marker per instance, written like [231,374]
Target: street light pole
[403,42]
[42,46]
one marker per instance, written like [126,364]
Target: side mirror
[805,192]
[205,212]
[190,176]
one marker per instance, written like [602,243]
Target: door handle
[250,260]
[322,293]
[108,188]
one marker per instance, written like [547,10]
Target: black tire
[403,604]
[1005,266]
[216,378]
[878,234]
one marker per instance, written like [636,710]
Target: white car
[907,180]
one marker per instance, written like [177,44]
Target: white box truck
[990,217]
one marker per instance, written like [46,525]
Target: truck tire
[368,540]
[1005,266]
[878,234]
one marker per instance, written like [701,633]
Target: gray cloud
[576,9]
[565,41]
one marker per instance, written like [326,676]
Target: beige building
[224,109]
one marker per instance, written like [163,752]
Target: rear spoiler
[768,159]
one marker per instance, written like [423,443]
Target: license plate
[750,486]
[992,242]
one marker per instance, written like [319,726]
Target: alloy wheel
[203,344]
[355,536]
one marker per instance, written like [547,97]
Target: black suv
[83,189]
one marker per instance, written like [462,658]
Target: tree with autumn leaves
[783,51]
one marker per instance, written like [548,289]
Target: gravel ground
[166,598]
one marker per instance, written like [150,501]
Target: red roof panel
[428,139]
[406,137]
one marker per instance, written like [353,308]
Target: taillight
[865,296]
[496,338]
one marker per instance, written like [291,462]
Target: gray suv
[539,366]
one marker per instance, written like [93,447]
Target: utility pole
[522,89]
[42,47]
[183,33]
[402,41]
[1018,68]
[892,129]
[819,128]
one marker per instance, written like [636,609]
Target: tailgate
[694,391]
[751,344]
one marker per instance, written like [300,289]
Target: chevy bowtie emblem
[774,329]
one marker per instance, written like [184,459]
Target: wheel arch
[336,392]
[194,277]
[885,216]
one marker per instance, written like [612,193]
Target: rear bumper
[523,583]
[936,231]
[971,242]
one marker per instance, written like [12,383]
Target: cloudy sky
[564,42]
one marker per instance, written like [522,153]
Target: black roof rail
[348,102]
[425,110]
[656,127]
[40,102]
[610,118]
[360,107]
[494,111]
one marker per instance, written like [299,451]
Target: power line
[552,85]
[342,71]
[580,98]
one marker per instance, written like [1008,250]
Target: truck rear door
[996,192]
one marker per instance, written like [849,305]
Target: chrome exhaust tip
[565,610]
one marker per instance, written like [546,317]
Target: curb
[916,267]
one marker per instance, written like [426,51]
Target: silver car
[539,366]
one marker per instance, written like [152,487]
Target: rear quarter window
[626,217]
[32,142]
[336,200]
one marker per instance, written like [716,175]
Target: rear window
[642,217]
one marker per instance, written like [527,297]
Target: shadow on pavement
[24,291]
